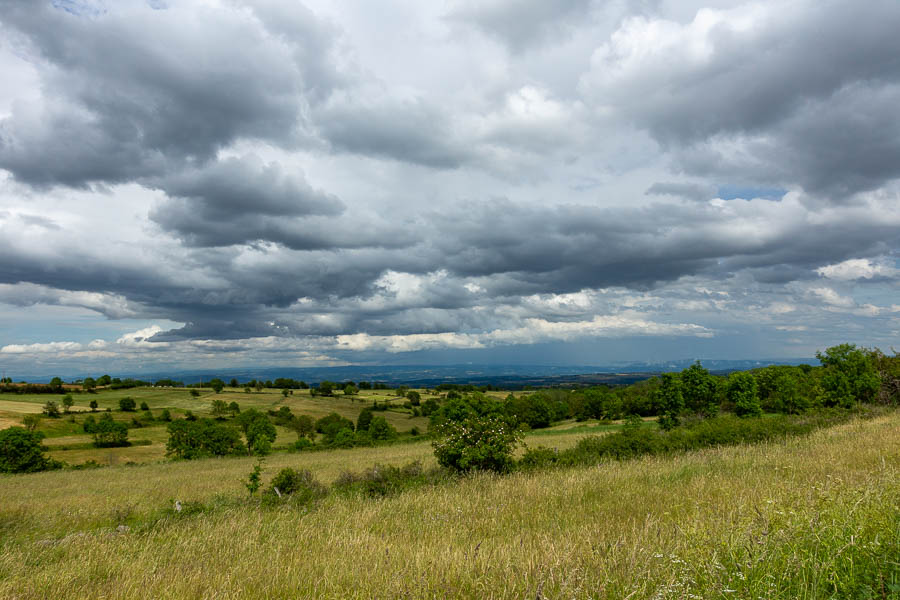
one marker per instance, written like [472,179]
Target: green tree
[21,451]
[849,375]
[742,392]
[350,390]
[234,408]
[303,426]
[414,397]
[127,404]
[201,438]
[326,388]
[671,400]
[364,419]
[51,409]
[109,433]
[233,383]
[219,408]
[699,390]
[56,383]
[68,403]
[104,380]
[93,405]
[258,431]
[88,384]
[217,385]
[380,429]
[195,393]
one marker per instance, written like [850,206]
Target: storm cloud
[260,179]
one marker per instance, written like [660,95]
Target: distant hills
[505,376]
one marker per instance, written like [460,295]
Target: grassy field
[811,517]
[67,441]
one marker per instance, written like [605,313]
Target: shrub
[145,406]
[127,404]
[539,457]
[299,486]
[383,480]
[476,443]
[21,451]
[93,405]
[301,444]
[109,433]
[165,415]
[414,397]
[200,438]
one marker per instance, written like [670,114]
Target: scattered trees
[109,433]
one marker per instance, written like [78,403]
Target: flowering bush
[476,443]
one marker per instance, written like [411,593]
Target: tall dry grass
[813,517]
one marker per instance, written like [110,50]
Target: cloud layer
[248,180]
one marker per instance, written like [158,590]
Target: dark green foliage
[89,383]
[258,430]
[700,390]
[51,409]
[718,431]
[330,424]
[350,390]
[300,487]
[127,404]
[233,383]
[195,393]
[326,388]
[31,422]
[414,397]
[429,407]
[21,451]
[464,408]
[283,416]
[301,445]
[670,400]
[596,403]
[742,393]
[217,385]
[165,415]
[234,409]
[90,424]
[364,419]
[145,406]
[201,438]
[381,430]
[539,457]
[68,402]
[533,410]
[93,405]
[303,425]
[478,442]
[109,433]
[384,480]
[849,375]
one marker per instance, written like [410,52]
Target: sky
[217,183]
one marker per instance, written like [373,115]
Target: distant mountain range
[505,376]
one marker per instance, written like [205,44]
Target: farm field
[809,517]
[67,441]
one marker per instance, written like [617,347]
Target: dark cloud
[412,131]
[791,96]
[136,91]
